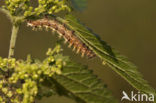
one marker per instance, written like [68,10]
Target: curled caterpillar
[64,32]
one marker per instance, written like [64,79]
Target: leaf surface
[119,63]
[80,83]
[79,4]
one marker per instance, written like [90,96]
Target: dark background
[127,25]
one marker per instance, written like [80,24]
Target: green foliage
[16,6]
[80,83]
[51,6]
[45,7]
[79,4]
[109,56]
[22,83]
[29,79]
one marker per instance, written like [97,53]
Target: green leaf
[79,4]
[78,82]
[111,57]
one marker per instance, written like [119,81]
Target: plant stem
[13,40]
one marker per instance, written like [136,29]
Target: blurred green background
[127,25]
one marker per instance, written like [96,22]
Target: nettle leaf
[78,82]
[111,57]
[79,4]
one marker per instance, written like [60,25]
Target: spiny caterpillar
[64,32]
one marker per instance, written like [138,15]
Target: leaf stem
[7,13]
[15,30]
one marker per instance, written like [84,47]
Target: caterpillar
[64,32]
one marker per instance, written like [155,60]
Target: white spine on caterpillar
[64,32]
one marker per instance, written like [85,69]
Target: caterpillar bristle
[82,55]
[78,50]
[40,28]
[60,36]
[28,25]
[70,45]
[65,41]
[34,28]
[68,35]
[74,48]
[46,28]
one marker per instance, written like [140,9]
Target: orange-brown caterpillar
[64,32]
